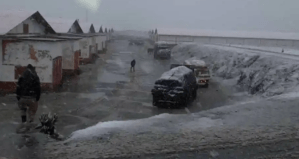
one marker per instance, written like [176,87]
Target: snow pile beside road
[160,123]
[257,73]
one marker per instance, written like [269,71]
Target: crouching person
[28,94]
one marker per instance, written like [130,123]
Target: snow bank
[176,73]
[162,122]
[254,72]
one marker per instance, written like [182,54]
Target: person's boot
[23,126]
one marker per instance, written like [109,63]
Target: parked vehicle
[201,71]
[166,47]
[163,54]
[136,42]
[175,87]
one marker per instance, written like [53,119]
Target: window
[25,28]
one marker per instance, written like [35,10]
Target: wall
[231,40]
[167,38]
[67,55]
[204,40]
[284,43]
[84,47]
[184,39]
[104,41]
[76,45]
[39,54]
[252,42]
[76,60]
[218,40]
[93,45]
[99,42]
[6,72]
[266,42]
[34,27]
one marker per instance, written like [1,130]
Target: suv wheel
[184,101]
[155,101]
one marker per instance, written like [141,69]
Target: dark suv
[175,87]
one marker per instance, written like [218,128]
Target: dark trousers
[28,105]
[132,69]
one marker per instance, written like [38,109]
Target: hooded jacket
[29,85]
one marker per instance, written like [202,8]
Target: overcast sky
[247,15]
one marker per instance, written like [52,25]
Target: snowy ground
[266,125]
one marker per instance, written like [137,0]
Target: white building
[272,39]
[71,49]
[17,49]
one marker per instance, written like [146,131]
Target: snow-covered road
[267,121]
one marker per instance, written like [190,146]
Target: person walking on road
[133,65]
[28,94]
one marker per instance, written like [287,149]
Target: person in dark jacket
[133,65]
[28,93]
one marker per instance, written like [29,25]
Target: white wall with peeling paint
[76,45]
[39,54]
[84,46]
[6,71]
[99,42]
[103,40]
[67,55]
[34,27]
[93,44]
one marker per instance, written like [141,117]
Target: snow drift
[254,72]
[162,123]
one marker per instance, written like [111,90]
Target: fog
[247,15]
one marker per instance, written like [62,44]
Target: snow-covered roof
[233,34]
[195,62]
[176,73]
[11,18]
[60,25]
